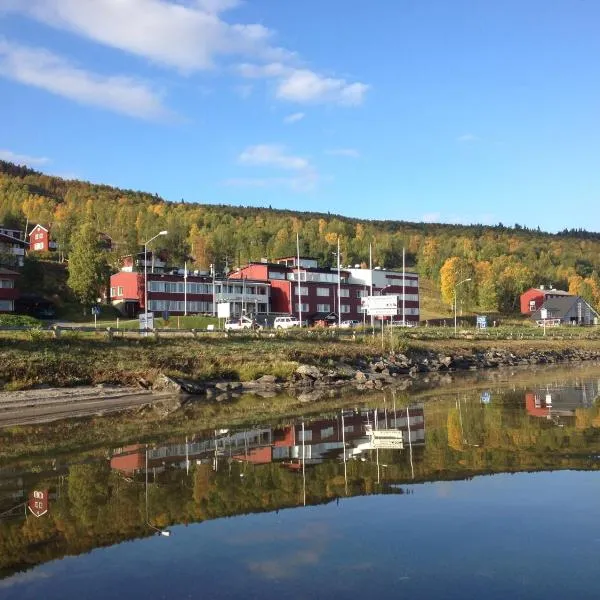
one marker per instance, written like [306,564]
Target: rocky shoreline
[311,381]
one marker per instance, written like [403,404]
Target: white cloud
[349,152]
[305,86]
[40,68]
[466,138]
[185,35]
[294,118]
[272,155]
[190,35]
[23,159]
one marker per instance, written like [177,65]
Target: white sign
[382,306]
[149,324]
[544,313]
[224,310]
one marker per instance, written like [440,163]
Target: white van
[286,322]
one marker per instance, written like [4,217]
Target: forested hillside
[500,261]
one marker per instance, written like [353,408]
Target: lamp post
[163,532]
[459,283]
[146,273]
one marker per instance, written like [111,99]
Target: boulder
[308,371]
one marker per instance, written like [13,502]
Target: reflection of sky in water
[505,536]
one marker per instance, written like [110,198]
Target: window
[321,291]
[120,290]
[345,308]
[276,275]
[303,291]
[361,293]
[344,293]
[112,292]
[349,428]
[307,436]
[323,307]
[305,308]
[38,246]
[6,305]
[7,283]
[532,305]
[327,432]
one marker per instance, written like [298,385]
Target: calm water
[477,491]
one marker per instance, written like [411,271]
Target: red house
[40,240]
[8,290]
[533,299]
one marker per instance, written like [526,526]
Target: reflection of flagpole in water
[344,454]
[147,519]
[412,468]
[303,470]
[462,433]
[187,457]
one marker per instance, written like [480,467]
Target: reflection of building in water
[556,401]
[322,439]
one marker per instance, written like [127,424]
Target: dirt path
[43,405]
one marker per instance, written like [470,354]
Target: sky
[451,111]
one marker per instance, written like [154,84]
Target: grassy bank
[32,360]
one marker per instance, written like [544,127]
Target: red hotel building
[319,288]
[166,292]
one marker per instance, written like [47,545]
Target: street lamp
[459,283]
[163,532]
[146,273]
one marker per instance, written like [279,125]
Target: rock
[308,371]
[360,377]
[164,383]
[267,379]
[222,386]
[311,396]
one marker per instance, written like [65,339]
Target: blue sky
[467,111]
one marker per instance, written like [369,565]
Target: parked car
[349,324]
[286,322]
[241,323]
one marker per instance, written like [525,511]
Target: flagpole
[371,288]
[185,276]
[298,278]
[339,285]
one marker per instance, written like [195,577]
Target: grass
[74,359]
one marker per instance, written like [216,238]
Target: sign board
[481,322]
[95,310]
[544,313]
[38,502]
[486,397]
[382,306]
[146,324]
[224,310]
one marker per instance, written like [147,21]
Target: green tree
[87,265]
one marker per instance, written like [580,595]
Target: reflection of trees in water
[97,506]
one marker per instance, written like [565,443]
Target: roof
[551,291]
[10,238]
[38,225]
[558,307]
[4,271]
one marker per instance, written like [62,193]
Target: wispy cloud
[43,69]
[467,138]
[294,118]
[187,35]
[275,156]
[348,152]
[191,36]
[272,155]
[305,86]
[23,159]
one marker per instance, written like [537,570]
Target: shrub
[19,321]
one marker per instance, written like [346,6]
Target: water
[478,489]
